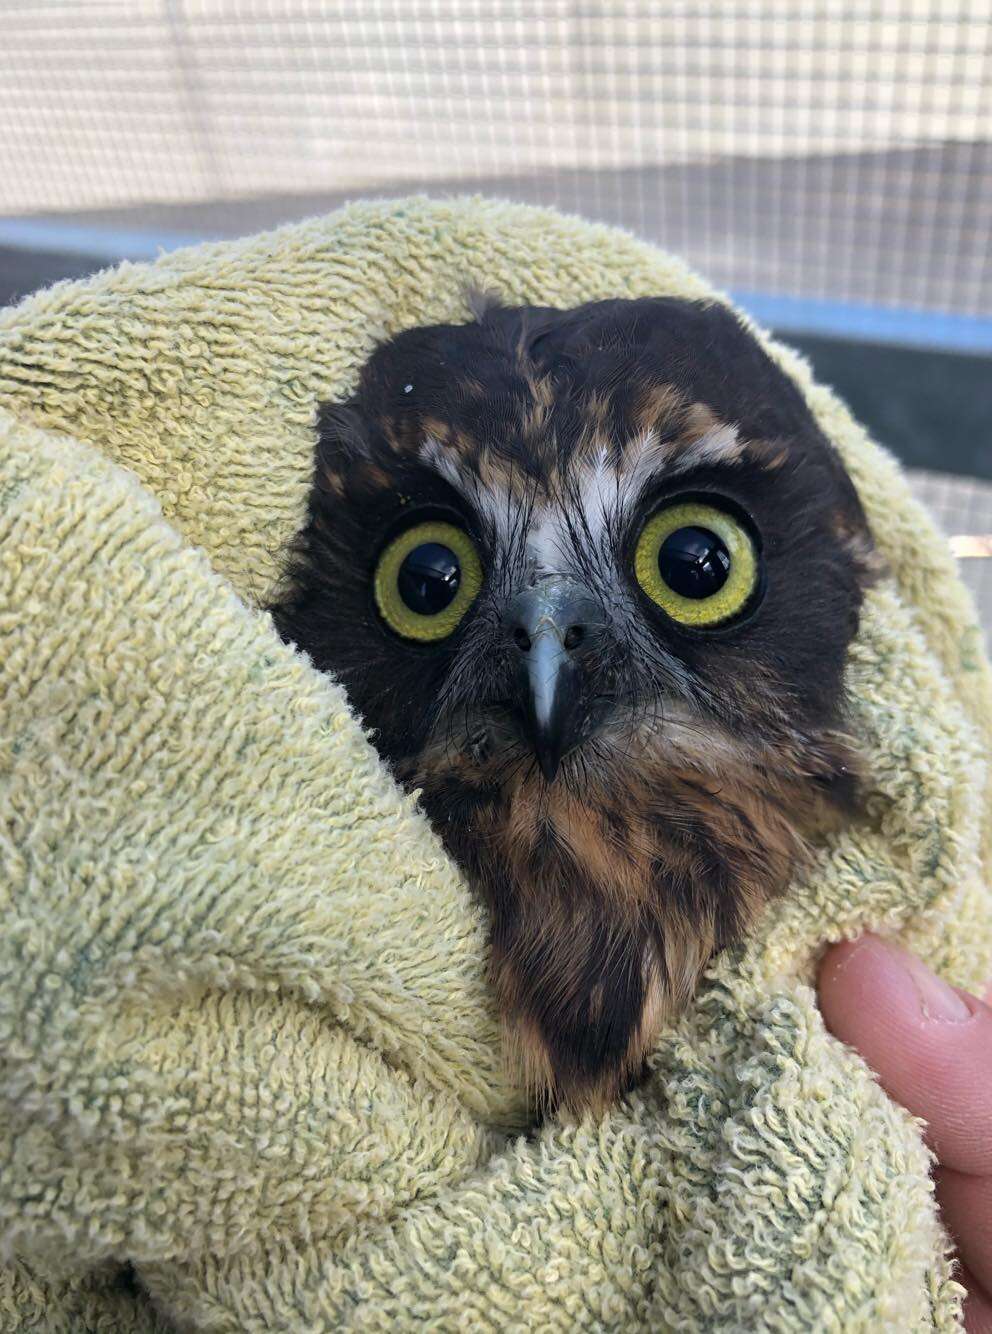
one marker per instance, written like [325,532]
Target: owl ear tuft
[341,435]
[482,302]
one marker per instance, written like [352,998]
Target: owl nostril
[555,609]
[574,636]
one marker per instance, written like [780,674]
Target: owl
[590,577]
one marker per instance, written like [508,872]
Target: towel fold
[251,1070]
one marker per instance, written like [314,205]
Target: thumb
[929,1044]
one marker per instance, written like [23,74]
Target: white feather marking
[432,453]
[648,456]
[493,504]
[645,457]
[553,524]
[603,492]
[544,539]
[721,445]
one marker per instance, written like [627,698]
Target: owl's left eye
[426,579]
[697,562]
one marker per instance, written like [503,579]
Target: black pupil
[694,562]
[429,577]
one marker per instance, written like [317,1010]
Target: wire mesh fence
[835,149]
[962,507]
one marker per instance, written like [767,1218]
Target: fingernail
[937,999]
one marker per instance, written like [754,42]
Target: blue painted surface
[103,243]
[788,314]
[877,324]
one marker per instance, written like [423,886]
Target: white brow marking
[720,445]
[545,539]
[598,496]
[647,457]
[643,459]
[496,505]
[603,493]
[432,453]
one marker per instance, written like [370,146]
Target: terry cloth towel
[251,1073]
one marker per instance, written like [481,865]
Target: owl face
[591,576]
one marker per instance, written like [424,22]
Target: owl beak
[548,622]
[552,703]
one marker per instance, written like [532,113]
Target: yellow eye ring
[397,614]
[741,578]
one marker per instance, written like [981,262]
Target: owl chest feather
[608,896]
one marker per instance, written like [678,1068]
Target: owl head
[590,577]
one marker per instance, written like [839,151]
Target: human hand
[931,1047]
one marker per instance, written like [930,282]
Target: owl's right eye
[426,579]
[698,563]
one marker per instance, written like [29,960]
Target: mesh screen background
[831,150]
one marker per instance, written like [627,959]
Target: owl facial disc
[589,577]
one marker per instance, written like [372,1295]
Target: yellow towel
[251,1076]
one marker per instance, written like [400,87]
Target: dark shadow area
[25,271]
[933,409]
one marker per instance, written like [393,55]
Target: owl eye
[697,562]
[426,579]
